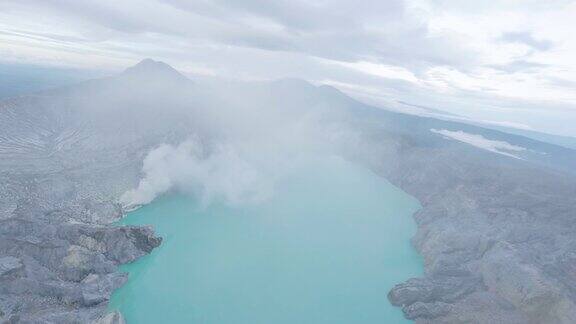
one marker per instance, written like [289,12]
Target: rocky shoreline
[496,233]
[497,238]
[60,257]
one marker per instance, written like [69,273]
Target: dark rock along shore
[496,233]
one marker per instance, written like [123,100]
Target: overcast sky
[503,61]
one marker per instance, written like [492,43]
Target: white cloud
[482,60]
[382,70]
[481,142]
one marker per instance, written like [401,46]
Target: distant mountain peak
[153,69]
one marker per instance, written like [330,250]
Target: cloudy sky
[509,62]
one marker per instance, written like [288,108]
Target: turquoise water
[326,248]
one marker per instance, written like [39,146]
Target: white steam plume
[221,173]
[237,169]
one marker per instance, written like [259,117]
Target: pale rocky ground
[497,234]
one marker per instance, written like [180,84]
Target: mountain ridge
[68,155]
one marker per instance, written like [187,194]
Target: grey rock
[506,223]
[497,234]
[112,318]
[9,264]
[98,288]
[448,289]
[427,311]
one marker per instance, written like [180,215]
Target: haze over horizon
[287,161]
[507,63]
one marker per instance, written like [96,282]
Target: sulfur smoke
[248,147]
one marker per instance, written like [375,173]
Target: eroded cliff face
[60,255]
[63,166]
[497,237]
[496,233]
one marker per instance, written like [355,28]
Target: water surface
[326,248]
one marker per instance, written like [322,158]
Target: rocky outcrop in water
[64,273]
